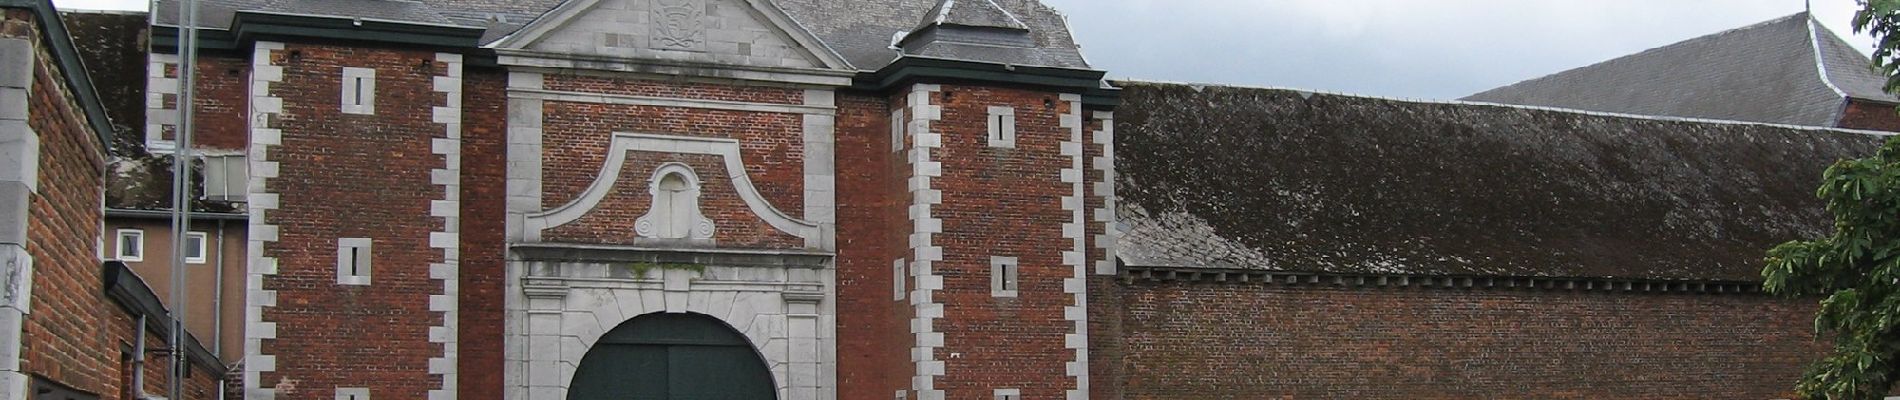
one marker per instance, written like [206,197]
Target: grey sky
[1438,49]
[1402,48]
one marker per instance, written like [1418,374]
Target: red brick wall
[222,102]
[577,135]
[874,337]
[344,176]
[1003,202]
[1250,341]
[484,192]
[61,339]
[1870,115]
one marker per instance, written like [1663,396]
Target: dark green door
[672,357]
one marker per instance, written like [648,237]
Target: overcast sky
[1433,49]
[1441,49]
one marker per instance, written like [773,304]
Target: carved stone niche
[675,218]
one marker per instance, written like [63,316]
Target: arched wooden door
[672,357]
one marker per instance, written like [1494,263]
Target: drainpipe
[217,299]
[138,359]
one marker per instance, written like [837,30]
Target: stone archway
[672,356]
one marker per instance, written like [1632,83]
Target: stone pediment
[749,33]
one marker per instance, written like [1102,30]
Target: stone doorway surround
[568,295]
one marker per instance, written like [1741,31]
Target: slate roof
[1767,72]
[1269,179]
[862,31]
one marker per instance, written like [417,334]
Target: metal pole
[181,189]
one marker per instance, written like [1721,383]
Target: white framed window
[1003,276]
[195,248]
[359,90]
[344,393]
[131,245]
[902,395]
[897,280]
[1002,124]
[1009,394]
[897,130]
[353,256]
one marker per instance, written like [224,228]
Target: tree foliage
[1857,268]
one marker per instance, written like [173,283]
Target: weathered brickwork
[221,100]
[675,89]
[484,166]
[1004,202]
[577,136]
[74,335]
[1234,341]
[355,176]
[61,336]
[874,334]
[1860,114]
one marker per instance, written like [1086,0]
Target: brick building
[933,199]
[72,326]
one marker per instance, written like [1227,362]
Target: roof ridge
[1711,36]
[1663,118]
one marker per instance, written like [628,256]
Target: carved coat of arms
[679,25]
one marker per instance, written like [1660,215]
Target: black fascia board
[126,288]
[66,54]
[909,69]
[247,26]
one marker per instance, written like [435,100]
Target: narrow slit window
[897,130]
[353,261]
[1002,127]
[359,91]
[1003,276]
[352,393]
[1009,394]
[131,245]
[897,279]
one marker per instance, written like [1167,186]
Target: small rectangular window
[902,395]
[131,245]
[1003,277]
[359,91]
[897,279]
[353,261]
[1009,394]
[1002,124]
[352,393]
[195,248]
[897,130]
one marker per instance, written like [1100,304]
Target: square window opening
[131,245]
[195,244]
